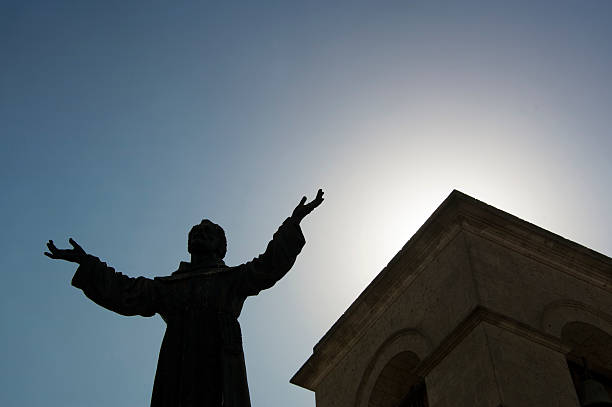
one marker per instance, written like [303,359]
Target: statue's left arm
[116,291]
[280,254]
[106,287]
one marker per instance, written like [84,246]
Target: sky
[125,123]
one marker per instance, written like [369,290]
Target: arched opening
[397,385]
[592,347]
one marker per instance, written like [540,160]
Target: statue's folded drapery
[201,361]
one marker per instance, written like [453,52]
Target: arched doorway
[397,385]
[592,347]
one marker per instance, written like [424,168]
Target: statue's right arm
[265,270]
[108,288]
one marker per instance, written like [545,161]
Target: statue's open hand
[76,255]
[304,208]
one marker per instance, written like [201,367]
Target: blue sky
[125,124]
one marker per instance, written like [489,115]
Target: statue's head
[207,238]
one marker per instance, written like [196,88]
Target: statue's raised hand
[304,208]
[75,255]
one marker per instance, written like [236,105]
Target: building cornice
[475,318]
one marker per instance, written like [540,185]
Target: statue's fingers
[302,201]
[319,197]
[75,244]
[50,255]
[51,246]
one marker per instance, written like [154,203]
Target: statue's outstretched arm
[280,255]
[106,287]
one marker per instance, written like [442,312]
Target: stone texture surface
[527,373]
[466,377]
[522,287]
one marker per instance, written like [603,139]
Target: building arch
[588,343]
[558,314]
[590,357]
[401,351]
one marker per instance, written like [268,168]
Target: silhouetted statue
[201,361]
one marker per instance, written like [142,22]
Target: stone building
[479,308]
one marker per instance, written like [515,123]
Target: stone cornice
[546,248]
[478,316]
[457,213]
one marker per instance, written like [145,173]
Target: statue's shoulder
[213,272]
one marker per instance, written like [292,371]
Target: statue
[201,361]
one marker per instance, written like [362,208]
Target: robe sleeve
[266,269]
[115,291]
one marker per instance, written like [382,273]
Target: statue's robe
[201,361]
